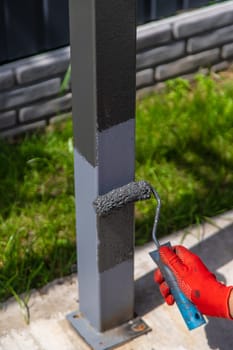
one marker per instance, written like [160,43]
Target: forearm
[231,303]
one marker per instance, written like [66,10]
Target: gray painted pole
[103,84]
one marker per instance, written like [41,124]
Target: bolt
[139,327]
[76,316]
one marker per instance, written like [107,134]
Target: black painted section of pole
[103,49]
[115,48]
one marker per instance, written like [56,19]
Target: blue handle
[191,315]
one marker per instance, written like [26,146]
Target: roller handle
[191,315]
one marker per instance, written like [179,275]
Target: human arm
[211,297]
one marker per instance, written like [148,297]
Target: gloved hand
[198,284]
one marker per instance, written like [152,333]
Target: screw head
[138,327]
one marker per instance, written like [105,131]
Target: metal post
[103,84]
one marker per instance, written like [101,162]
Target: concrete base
[48,328]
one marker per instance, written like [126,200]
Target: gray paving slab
[48,328]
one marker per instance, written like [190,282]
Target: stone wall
[185,43]
[30,92]
[30,89]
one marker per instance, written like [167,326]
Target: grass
[186,152]
[36,210]
[184,148]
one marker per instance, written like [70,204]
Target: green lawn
[184,149]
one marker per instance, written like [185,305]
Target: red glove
[199,285]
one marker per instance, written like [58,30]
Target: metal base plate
[108,339]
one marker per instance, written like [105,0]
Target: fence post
[103,84]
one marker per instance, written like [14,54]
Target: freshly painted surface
[115,61]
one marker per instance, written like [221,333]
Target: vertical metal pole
[103,85]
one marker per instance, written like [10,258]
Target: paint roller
[142,190]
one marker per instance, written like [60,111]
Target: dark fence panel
[161,8]
[3,52]
[29,27]
[56,21]
[196,3]
[150,10]
[24,35]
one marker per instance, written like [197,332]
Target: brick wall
[30,88]
[185,43]
[30,92]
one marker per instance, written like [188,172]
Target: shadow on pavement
[216,251]
[219,333]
